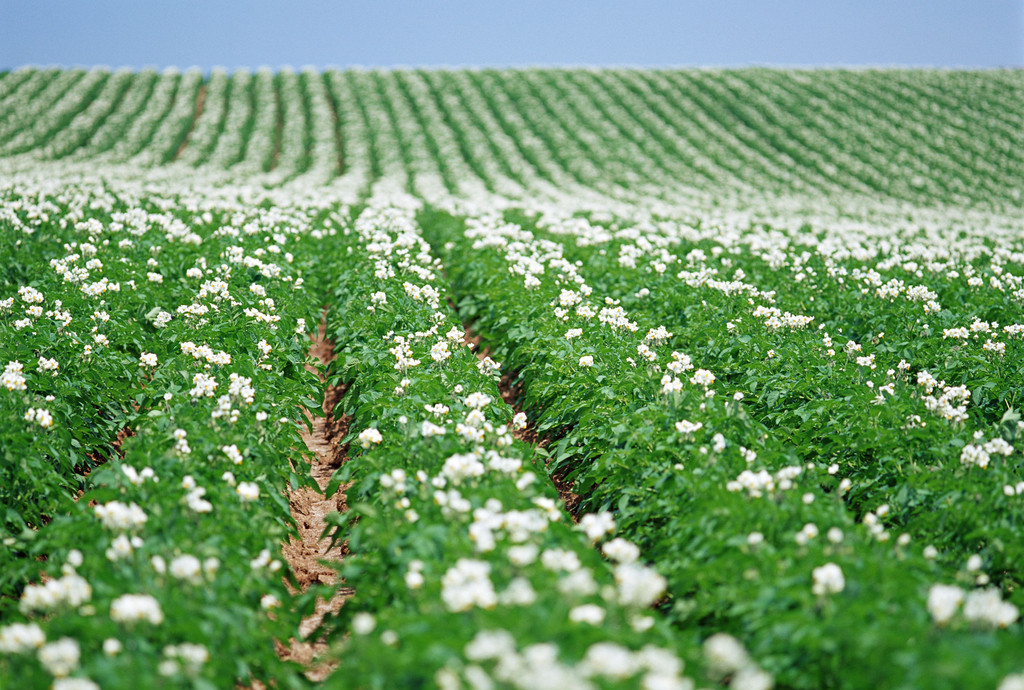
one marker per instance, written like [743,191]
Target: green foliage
[763,323]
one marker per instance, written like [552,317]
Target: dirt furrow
[309,507]
[200,98]
[510,391]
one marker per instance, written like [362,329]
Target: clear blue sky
[947,33]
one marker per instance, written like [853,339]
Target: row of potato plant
[899,366]
[753,537]
[467,570]
[723,134]
[154,562]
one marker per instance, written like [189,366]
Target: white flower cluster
[181,442]
[756,484]
[194,498]
[61,657]
[994,347]
[205,352]
[500,463]
[18,638]
[402,351]
[490,521]
[468,584]
[186,567]
[680,363]
[621,550]
[617,319]
[12,379]
[460,467]
[187,658]
[429,430]
[203,386]
[670,384]
[658,335]
[439,351]
[122,547]
[262,318]
[40,416]
[538,666]
[597,525]
[1014,681]
[980,454]
[477,401]
[264,349]
[241,388]
[264,560]
[136,477]
[638,585]
[470,431]
[827,579]
[688,428]
[725,656]
[369,437]
[1014,490]
[647,353]
[217,289]
[427,294]
[234,455]
[248,491]
[776,319]
[134,608]
[118,517]
[984,608]
[951,405]
[703,377]
[29,295]
[70,590]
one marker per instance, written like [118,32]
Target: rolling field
[553,378]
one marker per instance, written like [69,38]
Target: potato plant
[652,378]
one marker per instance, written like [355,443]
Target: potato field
[544,378]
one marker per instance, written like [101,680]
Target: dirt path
[309,507]
[200,98]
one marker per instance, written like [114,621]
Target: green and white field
[553,378]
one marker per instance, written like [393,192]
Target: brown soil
[309,507]
[200,97]
[96,459]
[511,391]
